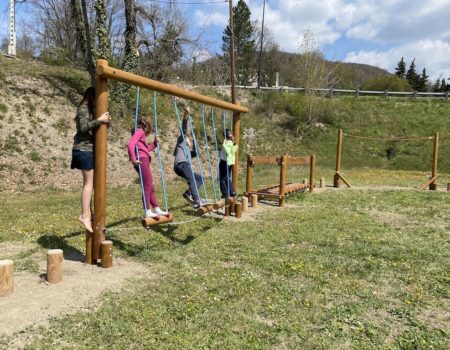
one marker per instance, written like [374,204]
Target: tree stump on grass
[106,253]
[322,182]
[244,204]
[6,277]
[238,207]
[55,261]
[254,200]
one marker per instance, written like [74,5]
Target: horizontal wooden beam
[265,159]
[299,160]
[146,222]
[108,72]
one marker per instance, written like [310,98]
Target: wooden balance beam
[146,222]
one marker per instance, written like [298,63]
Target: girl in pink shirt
[139,139]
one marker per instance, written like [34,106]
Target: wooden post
[283,177]
[55,261]
[305,181]
[322,182]
[89,243]
[448,186]
[106,253]
[228,204]
[312,173]
[249,180]
[254,200]
[232,207]
[244,204]
[236,133]
[434,171]
[238,210]
[6,277]
[338,160]
[101,134]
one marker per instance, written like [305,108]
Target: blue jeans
[184,170]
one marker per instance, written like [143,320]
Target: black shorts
[83,160]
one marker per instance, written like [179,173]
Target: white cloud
[214,19]
[429,54]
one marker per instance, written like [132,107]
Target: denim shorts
[83,160]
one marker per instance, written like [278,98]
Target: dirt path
[34,301]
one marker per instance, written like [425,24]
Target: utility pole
[12,30]
[258,85]
[232,66]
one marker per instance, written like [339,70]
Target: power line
[190,3]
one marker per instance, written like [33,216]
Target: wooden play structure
[431,183]
[283,189]
[104,73]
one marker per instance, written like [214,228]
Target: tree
[437,85]
[104,43]
[412,77]
[401,69]
[244,42]
[423,81]
[444,86]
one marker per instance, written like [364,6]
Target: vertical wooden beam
[55,261]
[254,200]
[249,179]
[236,133]
[232,60]
[101,135]
[338,159]
[106,253]
[6,277]
[244,204]
[238,210]
[434,170]
[312,173]
[283,176]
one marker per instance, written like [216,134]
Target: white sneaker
[158,211]
[150,214]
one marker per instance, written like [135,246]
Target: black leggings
[226,185]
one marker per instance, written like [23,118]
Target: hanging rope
[186,149]
[207,152]
[389,138]
[137,151]
[158,154]
[197,152]
[224,122]
[217,146]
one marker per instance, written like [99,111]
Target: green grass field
[339,269]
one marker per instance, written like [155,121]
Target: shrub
[389,83]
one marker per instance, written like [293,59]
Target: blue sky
[375,32]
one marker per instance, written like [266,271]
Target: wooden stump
[322,182]
[54,265]
[228,204]
[254,200]
[238,207]
[106,253]
[244,204]
[305,181]
[233,207]
[448,187]
[6,277]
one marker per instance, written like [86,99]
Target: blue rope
[137,150]
[185,148]
[217,146]
[197,152]
[207,152]
[161,171]
[224,121]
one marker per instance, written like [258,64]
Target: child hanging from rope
[227,160]
[142,160]
[182,166]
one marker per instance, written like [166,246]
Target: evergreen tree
[244,42]
[400,71]
[437,86]
[444,86]
[423,81]
[411,75]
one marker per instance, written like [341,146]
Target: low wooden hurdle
[279,192]
[431,183]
